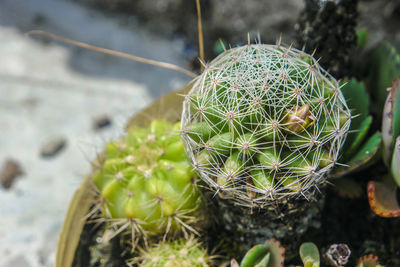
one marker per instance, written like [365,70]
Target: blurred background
[60,104]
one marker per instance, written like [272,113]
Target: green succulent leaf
[359,137]
[368,151]
[309,254]
[358,102]
[391,121]
[395,168]
[277,252]
[256,256]
[366,156]
[385,68]
[264,262]
[362,37]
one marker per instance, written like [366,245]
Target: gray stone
[101,121]
[52,147]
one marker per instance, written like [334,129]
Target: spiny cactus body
[147,180]
[264,122]
[181,253]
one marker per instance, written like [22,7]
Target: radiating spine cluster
[264,122]
[147,182]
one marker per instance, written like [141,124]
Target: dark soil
[343,220]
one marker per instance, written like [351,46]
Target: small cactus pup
[272,254]
[263,125]
[146,183]
[182,253]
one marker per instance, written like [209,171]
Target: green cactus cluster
[147,180]
[182,253]
[264,122]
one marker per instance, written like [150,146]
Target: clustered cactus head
[264,122]
[183,253]
[147,181]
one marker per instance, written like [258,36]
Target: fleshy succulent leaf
[255,256]
[359,137]
[309,254]
[395,166]
[391,120]
[358,102]
[368,261]
[366,156]
[277,253]
[385,68]
[382,199]
[362,37]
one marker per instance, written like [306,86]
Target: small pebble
[100,122]
[10,170]
[52,147]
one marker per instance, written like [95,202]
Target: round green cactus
[183,253]
[264,122]
[147,179]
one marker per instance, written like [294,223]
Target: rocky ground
[53,101]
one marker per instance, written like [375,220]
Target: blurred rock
[101,121]
[10,170]
[52,147]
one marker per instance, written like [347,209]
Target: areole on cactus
[264,122]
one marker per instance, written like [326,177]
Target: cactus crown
[264,122]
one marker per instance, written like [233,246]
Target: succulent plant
[269,254]
[264,122]
[309,254]
[384,88]
[360,150]
[382,195]
[146,183]
[272,254]
[182,253]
